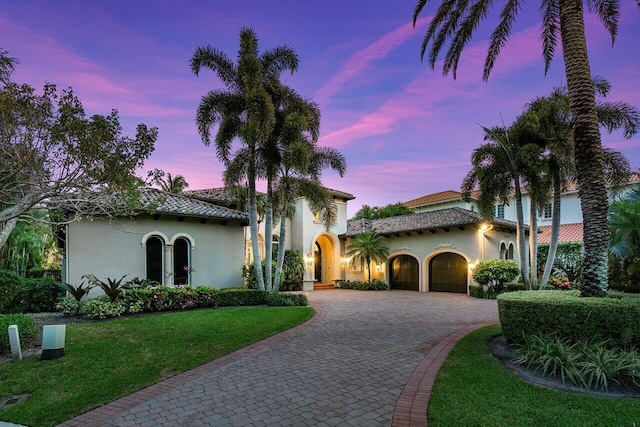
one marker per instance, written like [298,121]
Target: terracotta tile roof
[568,233]
[222,197]
[426,221]
[182,205]
[434,198]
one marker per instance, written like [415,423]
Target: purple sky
[405,130]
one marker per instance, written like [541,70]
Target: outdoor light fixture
[53,341]
[309,259]
[379,267]
[473,264]
[344,261]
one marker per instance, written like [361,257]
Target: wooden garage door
[404,273]
[448,273]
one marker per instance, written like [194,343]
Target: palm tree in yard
[562,21]
[365,248]
[167,182]
[243,110]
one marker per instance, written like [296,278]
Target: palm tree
[497,170]
[552,121]
[624,223]
[166,182]
[456,20]
[366,247]
[244,109]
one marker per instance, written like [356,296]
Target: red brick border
[411,407]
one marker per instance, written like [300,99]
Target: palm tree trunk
[268,237]
[253,217]
[533,243]
[588,148]
[555,230]
[522,247]
[280,257]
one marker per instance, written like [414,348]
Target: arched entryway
[448,273]
[326,267]
[404,273]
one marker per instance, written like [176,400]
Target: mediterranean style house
[197,239]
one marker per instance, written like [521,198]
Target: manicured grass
[110,359]
[474,389]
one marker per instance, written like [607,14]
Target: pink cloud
[361,59]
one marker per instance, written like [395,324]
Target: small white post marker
[14,343]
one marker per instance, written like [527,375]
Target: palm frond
[500,35]
[463,34]
[609,13]
[619,115]
[217,61]
[550,27]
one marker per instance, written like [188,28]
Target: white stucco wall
[113,249]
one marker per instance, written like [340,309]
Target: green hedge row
[26,329]
[566,315]
[163,298]
[20,295]
[363,285]
[478,291]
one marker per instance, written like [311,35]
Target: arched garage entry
[404,273]
[448,273]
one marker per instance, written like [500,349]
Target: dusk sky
[404,129]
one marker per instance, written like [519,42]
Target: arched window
[181,261]
[503,251]
[510,251]
[155,259]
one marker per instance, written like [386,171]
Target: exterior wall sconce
[379,267]
[309,259]
[473,264]
[344,261]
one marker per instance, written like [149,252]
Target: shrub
[287,300]
[99,308]
[494,273]
[567,262]
[69,307]
[363,285]
[10,284]
[36,295]
[559,283]
[565,315]
[624,274]
[26,329]
[236,297]
[476,291]
[249,275]
[164,298]
[292,271]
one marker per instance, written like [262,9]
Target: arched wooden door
[404,273]
[448,273]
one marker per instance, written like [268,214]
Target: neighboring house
[158,243]
[570,210]
[435,250]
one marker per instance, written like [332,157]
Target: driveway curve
[362,357]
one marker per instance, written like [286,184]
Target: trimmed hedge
[237,297]
[26,329]
[36,295]
[363,285]
[566,315]
[477,291]
[164,298]
[10,284]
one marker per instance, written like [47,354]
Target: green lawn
[109,359]
[474,389]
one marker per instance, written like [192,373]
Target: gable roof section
[443,219]
[442,196]
[568,233]
[181,205]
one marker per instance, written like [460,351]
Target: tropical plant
[562,21]
[112,288]
[392,209]
[77,292]
[166,182]
[244,109]
[365,248]
[292,270]
[624,224]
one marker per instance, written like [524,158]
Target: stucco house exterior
[180,232]
[197,239]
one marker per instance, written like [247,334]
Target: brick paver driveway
[347,366]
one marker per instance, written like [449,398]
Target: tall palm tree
[497,170]
[366,247]
[624,222]
[244,109]
[562,20]
[553,123]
